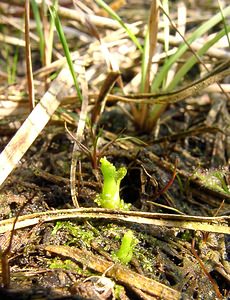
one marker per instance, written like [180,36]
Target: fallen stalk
[216,75]
[206,224]
[119,272]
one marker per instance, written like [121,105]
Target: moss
[78,233]
[69,265]
[115,240]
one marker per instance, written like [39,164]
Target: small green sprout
[125,253]
[110,196]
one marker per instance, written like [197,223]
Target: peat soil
[166,255]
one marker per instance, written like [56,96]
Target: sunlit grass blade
[63,41]
[149,46]
[149,51]
[181,50]
[49,44]
[115,16]
[144,62]
[192,61]
[224,22]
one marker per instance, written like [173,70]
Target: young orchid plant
[110,196]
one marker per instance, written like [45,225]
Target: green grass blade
[39,29]
[14,66]
[11,65]
[157,109]
[181,50]
[119,20]
[63,41]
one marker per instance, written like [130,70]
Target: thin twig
[214,284]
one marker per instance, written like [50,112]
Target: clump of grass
[145,116]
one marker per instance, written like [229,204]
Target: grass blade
[63,41]
[119,20]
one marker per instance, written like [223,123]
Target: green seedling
[125,253]
[110,196]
